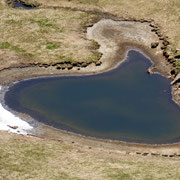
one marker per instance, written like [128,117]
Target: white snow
[11,123]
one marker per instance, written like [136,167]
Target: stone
[165,53]
[154,44]
[98,63]
[164,155]
[155,154]
[163,47]
[70,66]
[176,78]
[145,154]
[84,64]
[149,71]
[177,56]
[166,43]
[13,127]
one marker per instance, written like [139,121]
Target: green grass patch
[4,45]
[17,49]
[7,45]
[51,45]
[42,23]
[66,59]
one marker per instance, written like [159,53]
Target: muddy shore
[115,39]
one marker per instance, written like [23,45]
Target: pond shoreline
[117,51]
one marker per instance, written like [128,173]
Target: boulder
[166,43]
[84,64]
[98,63]
[154,44]
[176,78]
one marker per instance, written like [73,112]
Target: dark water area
[22,5]
[123,104]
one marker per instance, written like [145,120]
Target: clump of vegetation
[51,45]
[7,45]
[177,67]
[4,45]
[44,22]
[65,59]
[17,49]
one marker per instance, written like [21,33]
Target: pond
[23,5]
[124,104]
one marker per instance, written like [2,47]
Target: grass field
[35,159]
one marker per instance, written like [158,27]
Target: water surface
[22,5]
[124,104]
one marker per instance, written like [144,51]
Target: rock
[53,64]
[173,72]
[166,43]
[98,63]
[164,155]
[170,57]
[149,71]
[153,25]
[74,63]
[153,30]
[58,67]
[154,44]
[177,56]
[145,154]
[155,154]
[13,127]
[45,65]
[161,38]
[176,78]
[84,64]
[70,66]
[163,47]
[158,33]
[165,53]
[78,64]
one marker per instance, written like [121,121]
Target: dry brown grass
[34,158]
[44,36]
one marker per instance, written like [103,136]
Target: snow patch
[11,123]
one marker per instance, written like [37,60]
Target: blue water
[123,104]
[21,5]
